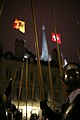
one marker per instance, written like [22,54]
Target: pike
[37,51]
[78,54]
[1,6]
[58,49]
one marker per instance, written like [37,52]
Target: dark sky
[67,19]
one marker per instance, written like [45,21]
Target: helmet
[71,74]
[43,104]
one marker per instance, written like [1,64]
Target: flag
[56,37]
[20,25]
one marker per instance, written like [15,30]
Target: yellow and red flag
[20,25]
[56,37]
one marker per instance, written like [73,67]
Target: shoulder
[77,100]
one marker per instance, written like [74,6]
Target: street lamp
[26,56]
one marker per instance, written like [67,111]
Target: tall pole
[78,54]
[50,76]
[37,52]
[1,6]
[26,85]
[58,49]
[20,83]
[32,90]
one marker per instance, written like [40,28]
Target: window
[31,76]
[54,79]
[44,78]
[18,75]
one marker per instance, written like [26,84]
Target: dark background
[67,19]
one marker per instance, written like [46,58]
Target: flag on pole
[20,25]
[56,37]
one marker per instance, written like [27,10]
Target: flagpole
[32,90]
[20,83]
[58,49]
[50,75]
[56,40]
[14,75]
[26,84]
[37,52]
[78,54]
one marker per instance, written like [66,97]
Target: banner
[20,25]
[56,37]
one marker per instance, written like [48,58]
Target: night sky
[67,19]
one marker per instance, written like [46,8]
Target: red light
[56,37]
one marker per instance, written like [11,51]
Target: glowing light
[65,62]
[26,56]
[68,109]
[56,37]
[20,25]
[44,55]
[30,109]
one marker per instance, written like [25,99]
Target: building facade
[26,84]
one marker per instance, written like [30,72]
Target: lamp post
[26,56]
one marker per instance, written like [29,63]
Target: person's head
[71,76]
[43,104]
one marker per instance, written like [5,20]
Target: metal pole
[1,6]
[20,83]
[26,85]
[58,49]
[37,52]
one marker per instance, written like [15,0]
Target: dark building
[22,71]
